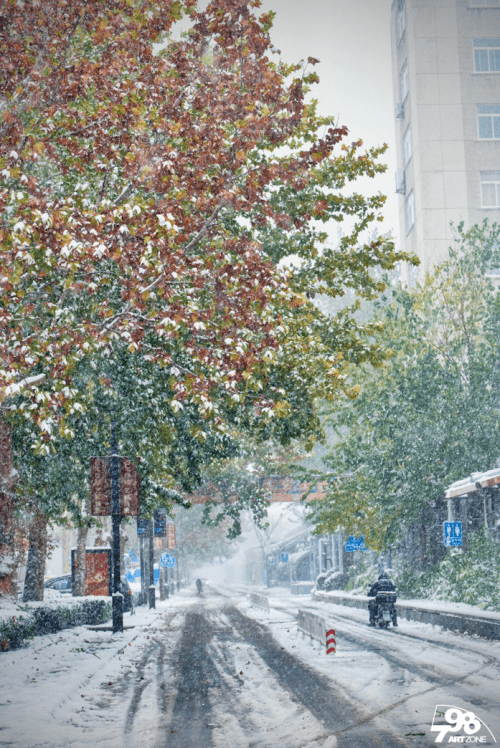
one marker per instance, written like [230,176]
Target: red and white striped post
[330,641]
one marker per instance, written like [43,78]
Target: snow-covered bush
[472,577]
[17,631]
[362,576]
[320,580]
[337,580]
[331,580]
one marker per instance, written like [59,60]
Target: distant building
[446,77]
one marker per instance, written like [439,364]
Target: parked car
[61,584]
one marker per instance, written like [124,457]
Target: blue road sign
[171,562]
[137,574]
[355,544]
[164,559]
[452,533]
[284,557]
[160,523]
[143,526]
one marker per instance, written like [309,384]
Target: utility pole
[117,609]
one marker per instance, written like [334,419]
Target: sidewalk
[64,690]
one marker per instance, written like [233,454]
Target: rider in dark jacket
[383,584]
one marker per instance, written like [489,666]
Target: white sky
[352,40]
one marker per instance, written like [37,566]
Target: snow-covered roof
[298,555]
[472,483]
[491,478]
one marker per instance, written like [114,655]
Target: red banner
[171,537]
[100,487]
[130,483]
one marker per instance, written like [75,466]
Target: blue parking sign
[164,559]
[452,533]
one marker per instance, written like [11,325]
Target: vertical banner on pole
[171,537]
[130,485]
[100,487]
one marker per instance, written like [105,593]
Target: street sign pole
[152,594]
[142,562]
[117,604]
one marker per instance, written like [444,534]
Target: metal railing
[260,600]
[312,625]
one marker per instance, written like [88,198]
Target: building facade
[446,79]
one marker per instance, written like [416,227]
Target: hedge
[15,632]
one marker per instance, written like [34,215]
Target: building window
[485,3]
[407,146]
[490,189]
[404,82]
[487,55]
[410,212]
[400,23]
[488,121]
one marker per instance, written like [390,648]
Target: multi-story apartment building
[446,74]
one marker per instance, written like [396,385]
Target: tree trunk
[8,523]
[81,544]
[37,553]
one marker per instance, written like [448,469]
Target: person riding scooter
[383,584]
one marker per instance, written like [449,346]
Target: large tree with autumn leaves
[152,192]
[147,199]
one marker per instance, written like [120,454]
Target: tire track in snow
[313,690]
[379,642]
[155,654]
[381,645]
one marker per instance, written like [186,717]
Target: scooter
[386,610]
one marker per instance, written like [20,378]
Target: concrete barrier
[260,600]
[464,623]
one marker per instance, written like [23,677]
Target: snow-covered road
[216,672]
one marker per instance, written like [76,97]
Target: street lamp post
[117,609]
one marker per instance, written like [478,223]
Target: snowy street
[215,672]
